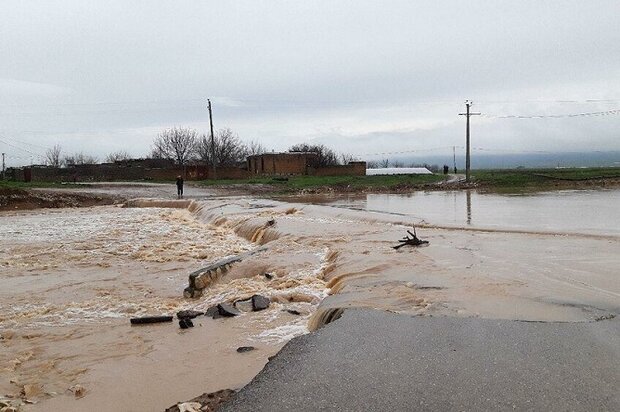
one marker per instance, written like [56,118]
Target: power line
[22,149]
[556,116]
[404,151]
[26,143]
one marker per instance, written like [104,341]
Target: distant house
[288,163]
[299,163]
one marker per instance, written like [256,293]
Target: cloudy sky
[364,77]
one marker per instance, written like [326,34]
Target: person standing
[179,187]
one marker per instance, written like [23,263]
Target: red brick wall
[228,172]
[112,172]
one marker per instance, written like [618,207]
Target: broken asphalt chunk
[226,310]
[186,323]
[150,319]
[189,314]
[213,312]
[259,303]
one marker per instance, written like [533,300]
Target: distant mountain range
[514,160]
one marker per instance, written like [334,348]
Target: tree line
[186,145]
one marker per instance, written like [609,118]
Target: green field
[346,183]
[500,179]
[544,178]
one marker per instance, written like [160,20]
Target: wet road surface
[372,360]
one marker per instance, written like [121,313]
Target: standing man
[179,187]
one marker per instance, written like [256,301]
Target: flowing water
[72,278]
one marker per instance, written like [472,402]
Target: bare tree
[372,164]
[177,143]
[326,156]
[347,158]
[255,148]
[117,156]
[79,158]
[398,163]
[384,163]
[229,148]
[52,156]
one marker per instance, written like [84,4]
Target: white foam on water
[282,334]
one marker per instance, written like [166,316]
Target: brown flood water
[72,278]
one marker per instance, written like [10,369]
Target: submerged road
[376,361]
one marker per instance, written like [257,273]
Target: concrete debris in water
[189,314]
[203,278]
[186,323]
[213,312]
[243,349]
[259,303]
[226,310]
[150,319]
[205,402]
[254,304]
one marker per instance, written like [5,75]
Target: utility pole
[212,140]
[3,154]
[468,104]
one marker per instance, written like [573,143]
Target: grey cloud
[89,73]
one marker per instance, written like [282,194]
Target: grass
[296,183]
[524,178]
[500,179]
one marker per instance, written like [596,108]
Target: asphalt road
[376,361]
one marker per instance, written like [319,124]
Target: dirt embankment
[20,199]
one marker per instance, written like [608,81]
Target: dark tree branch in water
[411,239]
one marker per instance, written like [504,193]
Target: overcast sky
[363,77]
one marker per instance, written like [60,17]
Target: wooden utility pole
[212,140]
[3,154]
[468,104]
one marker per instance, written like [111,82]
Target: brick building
[281,163]
[299,163]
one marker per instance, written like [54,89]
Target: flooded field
[72,278]
[575,211]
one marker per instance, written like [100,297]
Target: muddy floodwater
[72,278]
